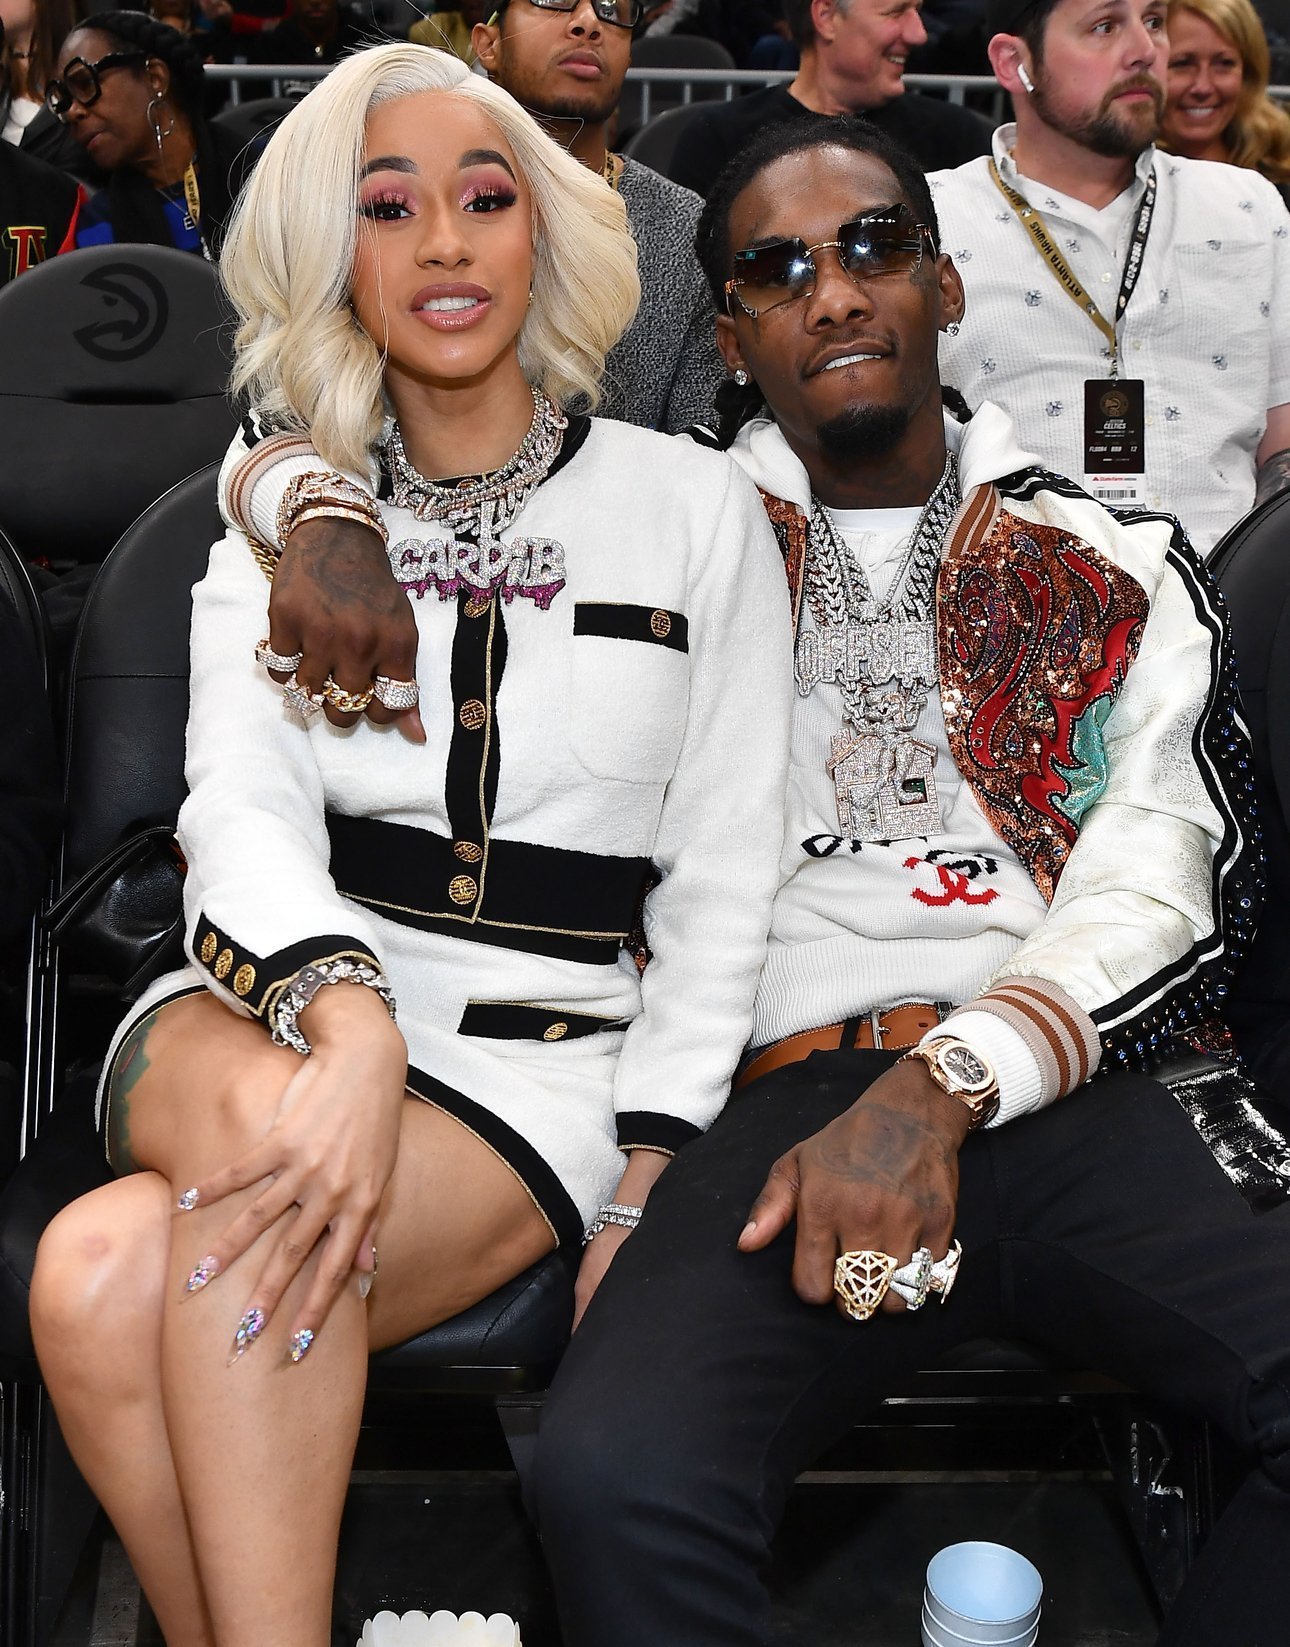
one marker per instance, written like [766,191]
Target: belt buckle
[876,1027]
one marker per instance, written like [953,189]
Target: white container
[982,1593]
[938,1635]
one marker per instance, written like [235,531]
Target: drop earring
[156,103]
[742,378]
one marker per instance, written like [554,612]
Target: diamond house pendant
[885,786]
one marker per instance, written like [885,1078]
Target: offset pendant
[885,786]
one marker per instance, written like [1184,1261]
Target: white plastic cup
[982,1593]
[939,1635]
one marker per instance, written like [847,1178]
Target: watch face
[963,1066]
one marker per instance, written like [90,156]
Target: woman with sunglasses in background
[130,89]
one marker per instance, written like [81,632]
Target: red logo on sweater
[954,880]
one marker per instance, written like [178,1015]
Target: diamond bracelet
[306,984]
[614,1213]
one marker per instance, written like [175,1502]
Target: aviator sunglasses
[623,14]
[81,81]
[886,241]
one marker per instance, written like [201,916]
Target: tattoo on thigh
[131,1062]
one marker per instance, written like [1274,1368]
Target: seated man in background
[566,64]
[313,31]
[1020,865]
[853,55]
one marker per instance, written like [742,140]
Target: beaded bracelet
[613,1213]
[306,984]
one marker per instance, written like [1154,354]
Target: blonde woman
[1218,107]
[423,278]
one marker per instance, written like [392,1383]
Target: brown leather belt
[900,1026]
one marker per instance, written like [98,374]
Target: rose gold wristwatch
[961,1071]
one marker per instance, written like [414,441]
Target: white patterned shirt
[1207,328]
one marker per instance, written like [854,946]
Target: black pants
[699,1385]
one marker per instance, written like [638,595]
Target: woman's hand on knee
[644,1168]
[329,1153]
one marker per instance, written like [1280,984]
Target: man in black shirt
[314,31]
[853,57]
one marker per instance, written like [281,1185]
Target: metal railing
[731,81]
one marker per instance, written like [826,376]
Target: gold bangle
[335,511]
[329,490]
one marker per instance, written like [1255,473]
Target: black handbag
[123,919]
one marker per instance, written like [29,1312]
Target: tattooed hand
[884,1176]
[334,598]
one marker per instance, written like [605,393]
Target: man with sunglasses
[1130,308]
[1016,785]
[1020,854]
[853,55]
[565,61]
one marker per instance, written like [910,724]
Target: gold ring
[349,703]
[861,1279]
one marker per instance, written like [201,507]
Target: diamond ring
[299,698]
[396,694]
[287,662]
[913,1281]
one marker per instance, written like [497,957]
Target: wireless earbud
[1024,77]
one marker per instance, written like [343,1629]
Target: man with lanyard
[1130,309]
[1016,785]
[565,61]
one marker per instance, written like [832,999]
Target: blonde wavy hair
[288,258]
[1258,135]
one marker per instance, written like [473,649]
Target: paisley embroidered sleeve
[1158,895]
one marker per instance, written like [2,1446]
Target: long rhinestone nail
[188,1200]
[206,1270]
[301,1343]
[249,1329]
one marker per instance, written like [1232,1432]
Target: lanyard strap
[191,195]
[1037,229]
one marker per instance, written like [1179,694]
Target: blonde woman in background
[1218,107]
[423,278]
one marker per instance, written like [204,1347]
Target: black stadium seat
[655,144]
[1252,566]
[116,361]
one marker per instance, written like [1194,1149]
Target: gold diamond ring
[861,1279]
[349,703]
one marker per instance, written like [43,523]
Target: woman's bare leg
[96,1319]
[262,1448]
